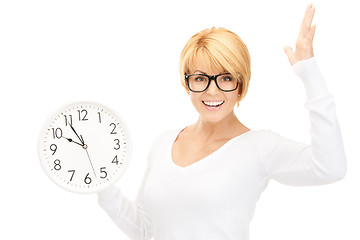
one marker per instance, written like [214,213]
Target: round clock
[84,147]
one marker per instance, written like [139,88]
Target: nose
[212,89]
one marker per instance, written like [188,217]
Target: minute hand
[76,134]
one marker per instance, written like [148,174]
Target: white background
[125,54]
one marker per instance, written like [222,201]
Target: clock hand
[70,140]
[76,133]
[85,147]
[90,161]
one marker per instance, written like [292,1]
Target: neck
[225,127]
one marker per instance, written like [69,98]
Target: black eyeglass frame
[210,77]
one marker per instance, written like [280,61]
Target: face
[213,105]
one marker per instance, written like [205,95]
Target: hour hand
[70,140]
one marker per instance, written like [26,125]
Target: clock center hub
[85,146]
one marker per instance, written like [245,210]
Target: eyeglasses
[200,82]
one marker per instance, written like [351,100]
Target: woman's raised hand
[304,41]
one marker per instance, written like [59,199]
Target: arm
[322,162]
[130,216]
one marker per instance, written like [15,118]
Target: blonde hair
[223,50]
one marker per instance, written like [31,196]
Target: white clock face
[84,147]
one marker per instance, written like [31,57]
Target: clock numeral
[115,160]
[57,133]
[66,120]
[53,148]
[99,117]
[117,147]
[72,175]
[113,131]
[57,166]
[87,179]
[84,112]
[102,171]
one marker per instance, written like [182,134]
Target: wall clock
[84,147]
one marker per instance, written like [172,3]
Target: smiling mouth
[213,103]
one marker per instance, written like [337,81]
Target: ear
[239,93]
[187,90]
[239,89]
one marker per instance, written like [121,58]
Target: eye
[226,78]
[200,78]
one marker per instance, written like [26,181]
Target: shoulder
[161,142]
[168,134]
[261,137]
[166,137]
[273,142]
[265,132]
[259,134]
[269,136]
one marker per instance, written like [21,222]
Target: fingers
[304,41]
[308,17]
[312,32]
[290,54]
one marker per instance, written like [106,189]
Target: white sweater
[215,197]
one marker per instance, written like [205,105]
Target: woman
[203,181]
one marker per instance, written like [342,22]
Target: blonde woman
[203,181]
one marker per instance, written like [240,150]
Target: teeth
[213,104]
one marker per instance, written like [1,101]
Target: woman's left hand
[304,41]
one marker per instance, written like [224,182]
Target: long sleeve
[323,161]
[130,216]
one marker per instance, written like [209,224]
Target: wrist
[308,71]
[108,192]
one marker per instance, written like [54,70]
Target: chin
[213,117]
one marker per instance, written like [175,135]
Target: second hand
[85,147]
[90,161]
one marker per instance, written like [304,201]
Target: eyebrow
[206,73]
[200,71]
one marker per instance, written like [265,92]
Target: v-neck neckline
[207,156]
